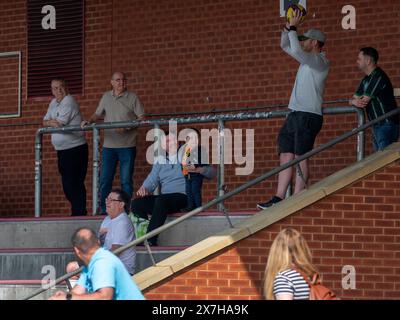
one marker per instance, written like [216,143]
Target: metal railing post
[157,139]
[221,158]
[146,243]
[96,170]
[289,190]
[361,121]
[38,174]
[360,135]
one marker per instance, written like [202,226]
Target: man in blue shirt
[104,276]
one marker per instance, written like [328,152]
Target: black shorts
[299,131]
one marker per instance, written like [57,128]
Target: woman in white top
[288,254]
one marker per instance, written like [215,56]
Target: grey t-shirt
[67,112]
[126,107]
[120,231]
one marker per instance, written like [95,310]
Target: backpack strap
[315,278]
[306,278]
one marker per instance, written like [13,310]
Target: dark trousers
[158,206]
[72,166]
[194,183]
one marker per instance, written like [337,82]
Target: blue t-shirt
[105,270]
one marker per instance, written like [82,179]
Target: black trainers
[268,204]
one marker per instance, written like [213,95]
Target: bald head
[118,82]
[118,75]
[85,239]
[59,88]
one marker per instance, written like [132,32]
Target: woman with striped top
[288,254]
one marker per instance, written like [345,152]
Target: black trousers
[158,206]
[72,166]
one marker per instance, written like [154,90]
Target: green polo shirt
[125,107]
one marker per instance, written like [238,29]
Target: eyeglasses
[111,200]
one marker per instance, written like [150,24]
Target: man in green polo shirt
[375,95]
[119,104]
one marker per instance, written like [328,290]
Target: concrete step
[17,290]
[42,232]
[35,264]
[57,232]
[197,228]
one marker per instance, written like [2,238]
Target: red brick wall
[358,226]
[177,53]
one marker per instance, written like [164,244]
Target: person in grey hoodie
[166,173]
[298,133]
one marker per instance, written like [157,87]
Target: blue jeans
[194,182]
[384,134]
[111,156]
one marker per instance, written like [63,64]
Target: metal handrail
[220,119]
[231,193]
[242,109]
[24,124]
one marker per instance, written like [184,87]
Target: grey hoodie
[309,86]
[166,172]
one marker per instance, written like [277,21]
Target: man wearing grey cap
[303,123]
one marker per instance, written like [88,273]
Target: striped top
[290,281]
[378,87]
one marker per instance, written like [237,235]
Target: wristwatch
[68,296]
[292,28]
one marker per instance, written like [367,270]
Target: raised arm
[294,48]
[285,43]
